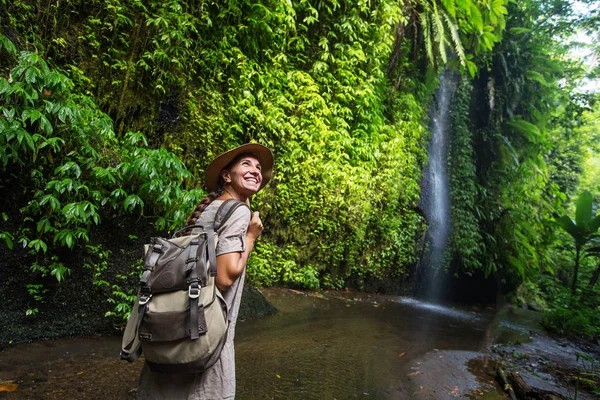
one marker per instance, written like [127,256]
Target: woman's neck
[231,194]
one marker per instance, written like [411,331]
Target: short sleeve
[232,234]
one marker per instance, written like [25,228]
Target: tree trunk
[399,37]
[594,277]
[574,284]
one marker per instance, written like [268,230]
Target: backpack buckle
[194,291]
[144,299]
[157,247]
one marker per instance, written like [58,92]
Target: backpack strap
[226,210]
[132,348]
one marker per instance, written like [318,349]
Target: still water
[318,346]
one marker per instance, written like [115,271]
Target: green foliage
[585,225]
[61,152]
[123,294]
[465,241]
[456,32]
[588,372]
[271,265]
[519,114]
[565,318]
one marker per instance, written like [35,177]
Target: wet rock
[452,374]
[254,304]
[528,386]
[537,365]
[535,306]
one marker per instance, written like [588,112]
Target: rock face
[254,304]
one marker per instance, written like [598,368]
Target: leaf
[583,209]
[527,129]
[131,201]
[568,225]
[4,85]
[519,30]
[60,271]
[536,76]
[8,386]
[8,45]
[476,18]
[45,125]
[594,224]
[37,245]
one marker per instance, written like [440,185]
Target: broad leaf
[583,211]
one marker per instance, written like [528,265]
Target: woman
[236,174]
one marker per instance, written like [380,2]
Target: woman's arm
[231,265]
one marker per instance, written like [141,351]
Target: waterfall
[435,199]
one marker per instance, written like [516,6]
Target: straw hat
[262,153]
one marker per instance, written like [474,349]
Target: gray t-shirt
[218,382]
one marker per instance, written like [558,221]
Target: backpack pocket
[165,333]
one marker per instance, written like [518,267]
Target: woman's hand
[255,227]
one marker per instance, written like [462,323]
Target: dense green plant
[460,28]
[581,229]
[566,317]
[61,152]
[520,112]
[465,242]
[594,252]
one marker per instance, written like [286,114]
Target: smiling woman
[237,174]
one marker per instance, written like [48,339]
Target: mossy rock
[254,305]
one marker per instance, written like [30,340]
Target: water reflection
[439,309]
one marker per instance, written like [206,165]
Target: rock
[535,306]
[525,390]
[254,305]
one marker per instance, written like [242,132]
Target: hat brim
[262,153]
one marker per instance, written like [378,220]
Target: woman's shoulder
[211,210]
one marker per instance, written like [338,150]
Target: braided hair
[203,204]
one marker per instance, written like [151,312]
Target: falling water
[436,199]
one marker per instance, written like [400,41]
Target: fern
[458,46]
[527,129]
[536,76]
[427,36]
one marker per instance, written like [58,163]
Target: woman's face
[244,176]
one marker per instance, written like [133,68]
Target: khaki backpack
[180,318]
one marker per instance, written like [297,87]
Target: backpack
[180,318]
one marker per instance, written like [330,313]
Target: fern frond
[427,36]
[527,129]
[440,33]
[458,46]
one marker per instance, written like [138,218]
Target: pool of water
[327,345]
[348,346]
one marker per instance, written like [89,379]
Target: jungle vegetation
[110,110]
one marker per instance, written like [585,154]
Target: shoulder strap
[226,210]
[223,213]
